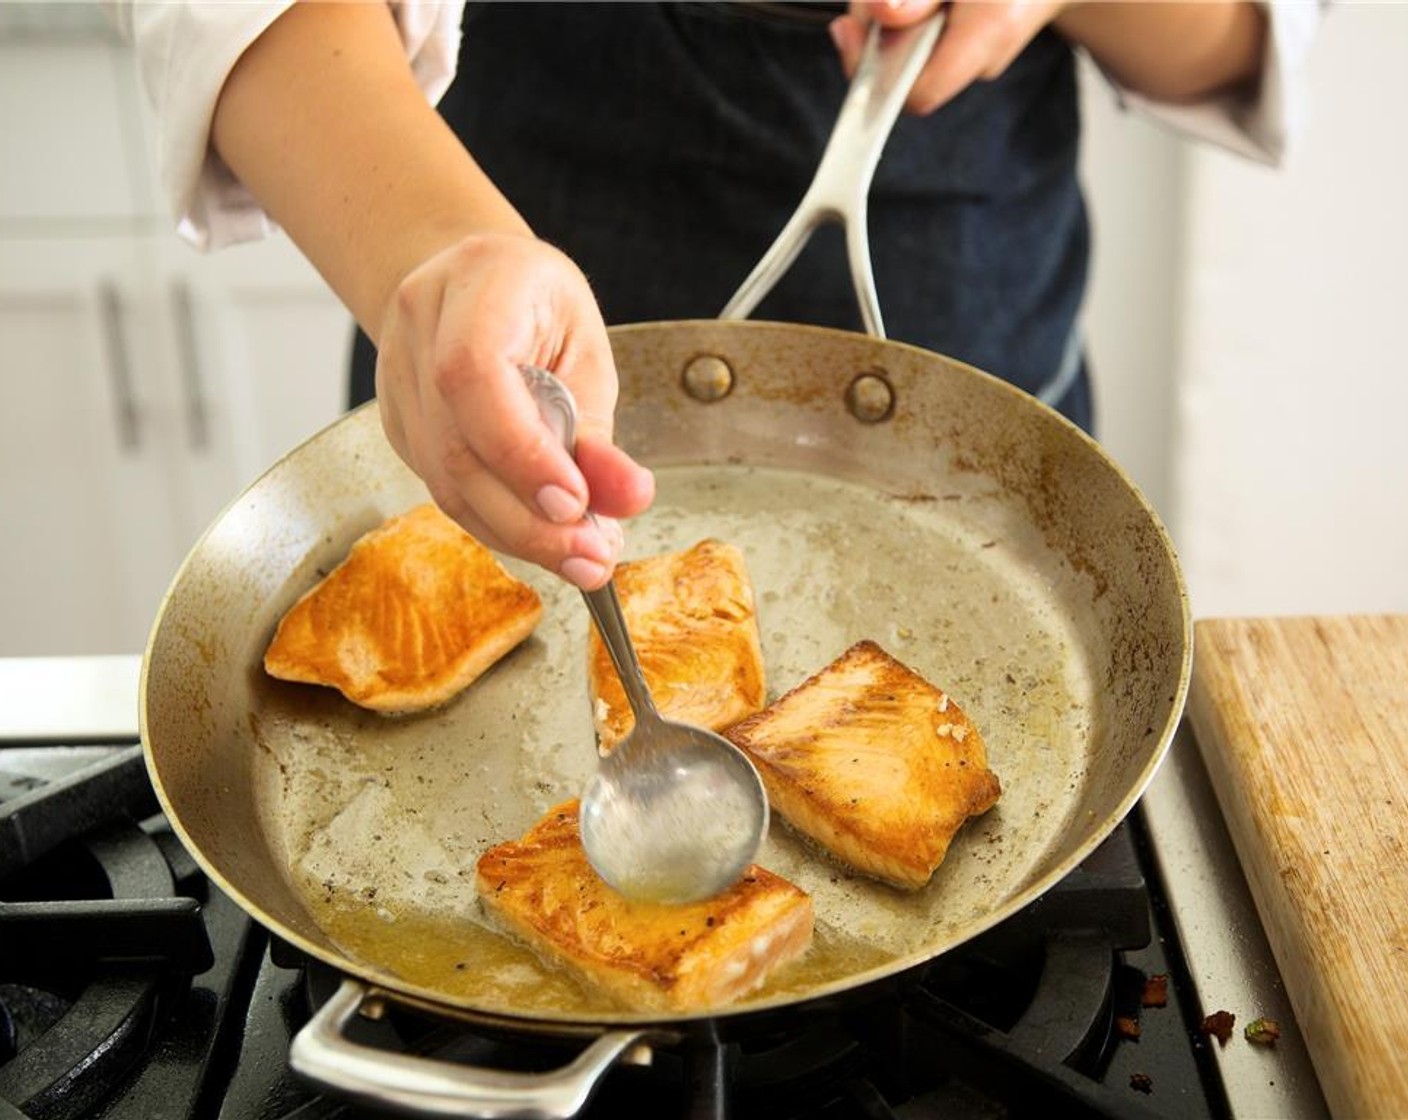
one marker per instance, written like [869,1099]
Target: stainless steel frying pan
[877,490]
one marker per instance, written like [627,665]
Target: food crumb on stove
[1142,1082]
[1126,1026]
[1219,1025]
[1263,1031]
[1155,992]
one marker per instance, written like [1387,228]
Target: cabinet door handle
[197,407]
[129,417]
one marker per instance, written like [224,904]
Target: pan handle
[419,1086]
[888,67]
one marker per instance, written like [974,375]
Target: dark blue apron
[663,146]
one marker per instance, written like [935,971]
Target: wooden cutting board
[1303,725]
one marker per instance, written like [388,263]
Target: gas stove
[131,986]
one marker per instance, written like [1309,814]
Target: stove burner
[94,941]
[9,1032]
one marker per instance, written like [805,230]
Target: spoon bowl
[674,813]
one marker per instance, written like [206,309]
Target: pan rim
[575,1024]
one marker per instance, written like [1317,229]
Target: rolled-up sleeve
[186,49]
[1261,126]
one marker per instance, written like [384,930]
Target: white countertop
[69,699]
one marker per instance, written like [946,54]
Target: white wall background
[1133,172]
[1248,332]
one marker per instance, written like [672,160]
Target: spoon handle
[559,413]
[605,607]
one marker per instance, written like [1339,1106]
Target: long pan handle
[418,1086]
[888,67]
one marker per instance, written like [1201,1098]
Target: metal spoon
[674,813]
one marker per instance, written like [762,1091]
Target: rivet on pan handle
[888,67]
[418,1086]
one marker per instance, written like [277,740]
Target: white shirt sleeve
[185,51]
[1264,126]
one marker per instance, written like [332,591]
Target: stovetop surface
[132,987]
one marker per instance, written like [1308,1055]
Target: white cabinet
[87,525]
[144,384]
[255,353]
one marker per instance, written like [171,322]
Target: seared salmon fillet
[646,956]
[411,617]
[693,620]
[873,763]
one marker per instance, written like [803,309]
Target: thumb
[894,13]
[848,34]
[619,486]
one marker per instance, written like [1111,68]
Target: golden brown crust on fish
[873,763]
[410,618]
[647,956]
[693,620]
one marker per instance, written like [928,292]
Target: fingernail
[583,572]
[559,505]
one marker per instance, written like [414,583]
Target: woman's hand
[322,120]
[979,40]
[456,409]
[1177,51]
